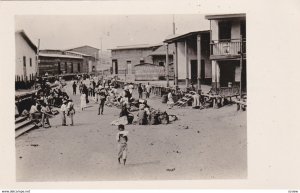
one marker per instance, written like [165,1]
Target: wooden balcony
[227,49]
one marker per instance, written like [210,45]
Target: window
[129,68]
[30,62]
[224,30]
[24,61]
[161,63]
[78,67]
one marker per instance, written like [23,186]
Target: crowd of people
[44,101]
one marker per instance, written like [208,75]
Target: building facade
[91,56]
[228,50]
[191,58]
[26,63]
[124,58]
[57,62]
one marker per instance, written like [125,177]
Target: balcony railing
[230,47]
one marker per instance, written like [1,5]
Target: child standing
[122,144]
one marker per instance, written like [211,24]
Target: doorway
[115,66]
[227,72]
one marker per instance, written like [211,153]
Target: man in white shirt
[63,110]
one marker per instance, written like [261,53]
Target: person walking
[122,139]
[170,102]
[71,111]
[140,91]
[82,101]
[74,85]
[148,90]
[85,91]
[102,99]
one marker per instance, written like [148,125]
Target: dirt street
[202,144]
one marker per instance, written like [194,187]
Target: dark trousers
[74,91]
[101,106]
[147,94]
[140,95]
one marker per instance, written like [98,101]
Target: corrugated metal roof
[59,56]
[72,52]
[137,46]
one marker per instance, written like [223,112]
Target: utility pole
[174,28]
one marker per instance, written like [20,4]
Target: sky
[63,32]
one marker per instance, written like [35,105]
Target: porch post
[241,66]
[167,63]
[186,64]
[198,62]
[176,65]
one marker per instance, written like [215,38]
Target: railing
[227,47]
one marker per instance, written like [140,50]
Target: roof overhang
[185,36]
[134,47]
[225,16]
[59,56]
[27,39]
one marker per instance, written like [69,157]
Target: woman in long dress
[82,101]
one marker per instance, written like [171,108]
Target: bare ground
[202,144]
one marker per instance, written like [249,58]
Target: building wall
[92,61]
[235,29]
[149,72]
[23,49]
[192,55]
[133,55]
[50,65]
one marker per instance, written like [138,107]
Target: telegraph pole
[174,28]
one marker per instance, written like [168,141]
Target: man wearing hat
[63,110]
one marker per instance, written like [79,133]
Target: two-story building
[191,58]
[26,63]
[228,50]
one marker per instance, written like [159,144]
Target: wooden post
[199,62]
[186,64]
[38,58]
[167,64]
[176,65]
[241,66]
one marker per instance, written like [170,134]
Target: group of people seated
[43,102]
